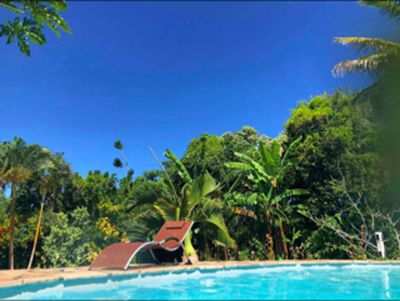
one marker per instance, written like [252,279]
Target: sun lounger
[119,255]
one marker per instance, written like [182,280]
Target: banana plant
[267,173]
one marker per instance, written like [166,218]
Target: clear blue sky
[161,74]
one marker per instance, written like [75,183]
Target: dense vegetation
[319,190]
[313,192]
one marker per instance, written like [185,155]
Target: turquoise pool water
[283,282]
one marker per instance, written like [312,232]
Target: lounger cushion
[115,256]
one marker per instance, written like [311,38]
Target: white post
[380,245]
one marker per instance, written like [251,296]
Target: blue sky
[160,74]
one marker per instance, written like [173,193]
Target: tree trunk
[189,250]
[269,241]
[36,235]
[269,238]
[12,225]
[283,238]
[207,253]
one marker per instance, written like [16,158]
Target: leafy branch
[33,16]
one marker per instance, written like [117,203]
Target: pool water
[283,282]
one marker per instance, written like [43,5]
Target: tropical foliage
[271,198]
[19,162]
[316,191]
[321,189]
[32,17]
[194,200]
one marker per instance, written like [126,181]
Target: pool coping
[21,277]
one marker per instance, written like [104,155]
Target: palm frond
[18,160]
[209,208]
[144,198]
[144,223]
[369,44]
[166,209]
[365,64]
[217,221]
[200,188]
[390,8]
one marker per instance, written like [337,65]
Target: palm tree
[18,161]
[267,173]
[194,202]
[381,53]
[51,179]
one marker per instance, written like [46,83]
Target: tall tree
[338,142]
[18,161]
[51,179]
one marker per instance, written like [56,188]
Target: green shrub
[70,240]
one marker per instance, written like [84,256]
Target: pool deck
[19,277]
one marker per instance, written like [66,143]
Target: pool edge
[56,275]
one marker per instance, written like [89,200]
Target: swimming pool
[283,282]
